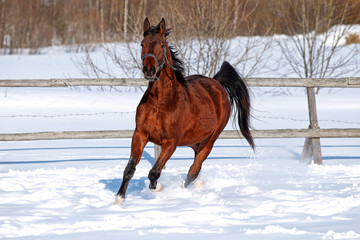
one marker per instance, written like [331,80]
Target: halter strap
[159,67]
[151,55]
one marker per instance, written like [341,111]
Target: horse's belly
[199,131]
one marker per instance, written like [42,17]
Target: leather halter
[158,67]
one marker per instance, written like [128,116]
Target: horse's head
[153,49]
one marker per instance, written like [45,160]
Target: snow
[65,189]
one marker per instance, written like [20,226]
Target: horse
[178,111]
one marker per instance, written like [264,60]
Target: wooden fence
[311,150]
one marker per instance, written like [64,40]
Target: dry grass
[353,38]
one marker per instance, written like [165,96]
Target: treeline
[37,23]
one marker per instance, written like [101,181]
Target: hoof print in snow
[119,200]
[198,183]
[158,188]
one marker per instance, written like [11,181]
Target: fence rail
[226,134]
[313,134]
[252,82]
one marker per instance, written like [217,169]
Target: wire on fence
[305,120]
[64,115]
[133,112]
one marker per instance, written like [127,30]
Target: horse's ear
[162,26]
[146,25]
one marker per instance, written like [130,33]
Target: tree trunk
[126,19]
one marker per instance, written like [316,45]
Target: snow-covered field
[65,189]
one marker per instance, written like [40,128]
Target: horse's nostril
[149,72]
[152,70]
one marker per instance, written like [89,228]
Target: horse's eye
[142,45]
[162,46]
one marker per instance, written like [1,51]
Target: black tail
[239,98]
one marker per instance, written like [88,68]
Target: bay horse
[178,111]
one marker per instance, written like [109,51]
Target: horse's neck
[166,87]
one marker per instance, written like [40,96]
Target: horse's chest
[155,122]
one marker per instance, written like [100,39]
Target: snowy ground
[65,189]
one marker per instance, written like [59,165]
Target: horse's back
[209,109]
[207,88]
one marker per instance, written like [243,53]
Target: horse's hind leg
[201,153]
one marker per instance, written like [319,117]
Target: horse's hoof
[158,188]
[119,200]
[198,183]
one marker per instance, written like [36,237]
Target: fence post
[157,151]
[307,151]
[312,149]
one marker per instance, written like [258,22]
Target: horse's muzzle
[149,74]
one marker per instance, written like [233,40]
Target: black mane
[178,65]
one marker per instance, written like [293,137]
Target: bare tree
[2,23]
[210,36]
[126,19]
[101,13]
[317,29]
[203,42]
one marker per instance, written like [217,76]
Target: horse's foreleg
[128,174]
[137,147]
[200,157]
[167,150]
